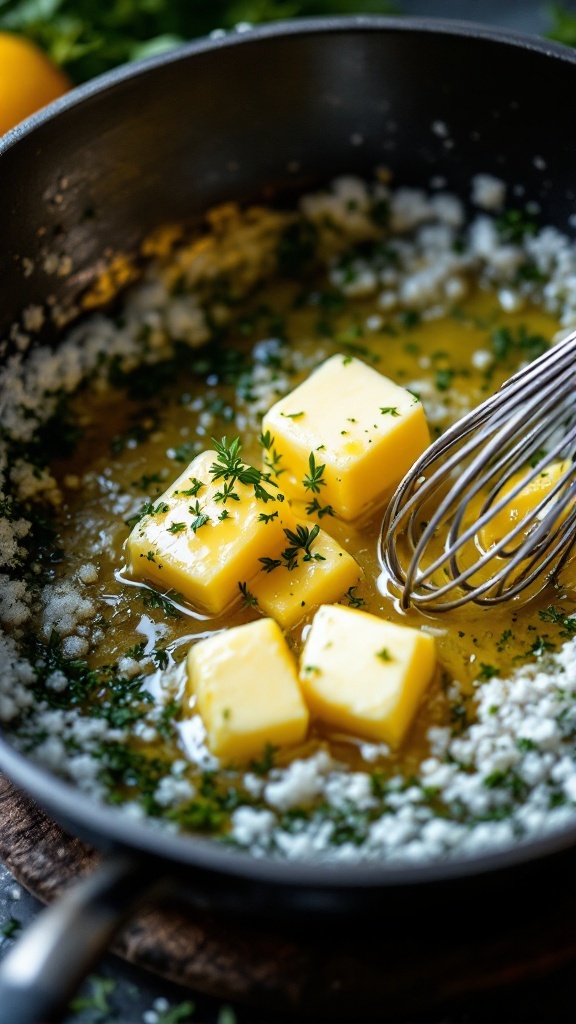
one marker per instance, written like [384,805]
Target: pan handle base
[45,967]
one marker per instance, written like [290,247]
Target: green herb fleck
[315,508]
[200,517]
[10,928]
[353,600]
[192,491]
[486,672]
[249,600]
[98,999]
[301,540]
[314,480]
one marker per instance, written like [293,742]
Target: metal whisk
[430,544]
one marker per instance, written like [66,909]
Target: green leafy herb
[200,517]
[98,999]
[443,378]
[180,1014]
[297,245]
[10,928]
[151,599]
[410,318]
[265,762]
[301,540]
[165,722]
[146,479]
[315,508]
[540,646]
[353,600]
[507,635]
[136,652]
[160,657]
[184,452]
[269,564]
[314,480]
[514,225]
[230,468]
[249,600]
[226,494]
[486,672]
[271,457]
[264,518]
[146,510]
[192,491]
[559,617]
[509,344]
[176,527]
[127,772]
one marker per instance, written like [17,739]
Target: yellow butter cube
[345,437]
[523,504]
[195,542]
[322,573]
[247,693]
[364,675]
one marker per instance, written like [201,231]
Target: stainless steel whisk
[463,480]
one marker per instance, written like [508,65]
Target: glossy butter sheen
[247,692]
[290,594]
[362,427]
[208,564]
[364,675]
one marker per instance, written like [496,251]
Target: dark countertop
[119,993]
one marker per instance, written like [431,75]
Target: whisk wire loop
[471,481]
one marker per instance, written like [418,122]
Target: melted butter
[128,454]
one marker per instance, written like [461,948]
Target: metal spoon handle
[44,968]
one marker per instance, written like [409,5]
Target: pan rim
[290,27]
[120,831]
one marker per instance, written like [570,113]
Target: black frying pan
[252,116]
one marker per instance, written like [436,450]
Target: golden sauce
[131,449]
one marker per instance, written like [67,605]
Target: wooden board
[340,976]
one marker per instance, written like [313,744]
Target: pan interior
[502,787]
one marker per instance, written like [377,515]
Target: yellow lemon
[28,80]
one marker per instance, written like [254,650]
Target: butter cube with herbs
[363,675]
[245,682]
[312,570]
[343,438]
[204,537]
